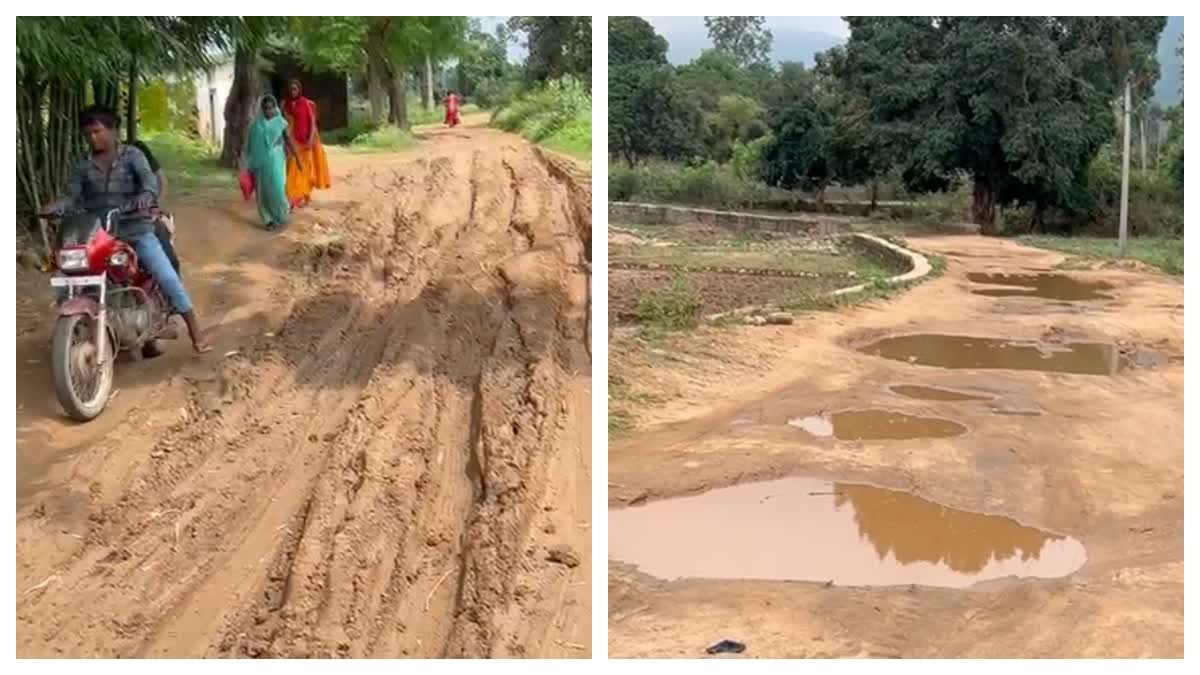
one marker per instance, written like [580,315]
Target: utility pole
[1124,233]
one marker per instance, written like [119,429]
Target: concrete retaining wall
[659,214]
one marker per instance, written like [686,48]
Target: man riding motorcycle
[113,176]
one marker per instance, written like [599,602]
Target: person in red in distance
[452,106]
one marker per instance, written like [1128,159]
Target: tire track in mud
[370,481]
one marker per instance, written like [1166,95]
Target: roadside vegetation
[858,133]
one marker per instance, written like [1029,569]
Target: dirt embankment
[400,467]
[1095,457]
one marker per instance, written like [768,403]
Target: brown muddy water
[870,425]
[1050,286]
[810,529]
[961,351]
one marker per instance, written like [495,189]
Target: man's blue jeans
[151,254]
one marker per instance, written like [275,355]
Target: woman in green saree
[264,156]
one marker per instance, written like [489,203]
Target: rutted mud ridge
[385,475]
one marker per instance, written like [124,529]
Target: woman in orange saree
[313,172]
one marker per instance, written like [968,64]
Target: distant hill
[788,45]
[1166,92]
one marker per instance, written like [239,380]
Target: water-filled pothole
[1051,286]
[960,351]
[814,530]
[935,393]
[870,425]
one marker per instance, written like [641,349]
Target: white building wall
[212,89]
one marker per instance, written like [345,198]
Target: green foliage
[707,184]
[712,75]
[555,110]
[632,40]
[483,71]
[190,163]
[1020,103]
[676,307]
[650,114]
[558,46]
[747,158]
[746,38]
[574,138]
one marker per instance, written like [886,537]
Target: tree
[746,38]
[60,58]
[650,114]
[714,74]
[482,66]
[558,45]
[632,39]
[1020,104]
[389,47]
[241,105]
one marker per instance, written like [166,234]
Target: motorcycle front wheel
[83,379]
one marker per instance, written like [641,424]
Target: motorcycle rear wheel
[82,382]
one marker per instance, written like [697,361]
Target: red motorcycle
[108,304]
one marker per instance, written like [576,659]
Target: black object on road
[726,647]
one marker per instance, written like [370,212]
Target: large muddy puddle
[1050,286]
[960,351]
[815,530]
[868,425]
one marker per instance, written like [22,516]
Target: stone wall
[658,214]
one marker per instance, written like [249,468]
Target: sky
[796,38]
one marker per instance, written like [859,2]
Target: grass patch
[741,257]
[385,139]
[621,396]
[574,138]
[1164,253]
[192,166]
[676,307]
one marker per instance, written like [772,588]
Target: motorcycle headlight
[72,259]
[119,259]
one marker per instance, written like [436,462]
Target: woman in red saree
[313,172]
[452,118]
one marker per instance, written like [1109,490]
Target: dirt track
[1093,457]
[377,460]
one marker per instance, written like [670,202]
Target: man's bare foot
[201,345]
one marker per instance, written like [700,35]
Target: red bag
[246,179]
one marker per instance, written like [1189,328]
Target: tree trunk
[378,69]
[397,96]
[1142,139]
[874,195]
[240,106]
[106,93]
[428,82]
[983,205]
[1123,225]
[131,121]
[821,197]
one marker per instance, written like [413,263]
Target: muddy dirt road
[1084,465]
[388,453]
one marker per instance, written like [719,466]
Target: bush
[560,108]
[706,184]
[348,134]
[675,307]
